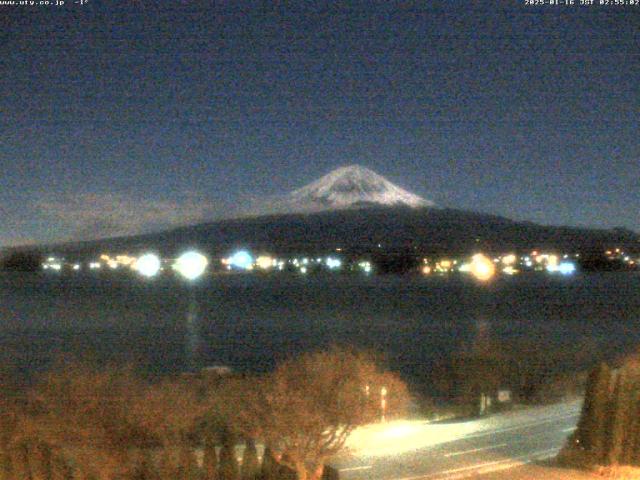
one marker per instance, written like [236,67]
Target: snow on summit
[352,186]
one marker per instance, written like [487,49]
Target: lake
[250,321]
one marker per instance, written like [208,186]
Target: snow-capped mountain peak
[352,186]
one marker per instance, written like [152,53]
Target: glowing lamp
[148,265]
[509,259]
[333,263]
[191,265]
[241,259]
[482,267]
[265,262]
[566,268]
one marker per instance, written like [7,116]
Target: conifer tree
[250,464]
[6,465]
[210,461]
[187,463]
[635,456]
[590,431]
[22,466]
[61,469]
[269,469]
[632,422]
[618,419]
[228,466]
[40,459]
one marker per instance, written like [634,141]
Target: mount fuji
[358,210]
[349,187]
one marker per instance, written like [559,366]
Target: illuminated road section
[414,450]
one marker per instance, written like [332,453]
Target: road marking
[506,464]
[488,467]
[516,427]
[462,452]
[569,429]
[353,469]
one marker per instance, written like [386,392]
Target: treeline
[79,422]
[21,261]
[608,432]
[533,372]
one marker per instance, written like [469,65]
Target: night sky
[131,118]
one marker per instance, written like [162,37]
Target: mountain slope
[362,229]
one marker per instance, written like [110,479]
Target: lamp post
[191,265]
[383,403]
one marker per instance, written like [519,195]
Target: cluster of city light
[445,266]
[509,270]
[118,261]
[547,260]
[333,263]
[365,266]
[620,255]
[265,262]
[509,259]
[52,263]
[193,264]
[564,268]
[243,260]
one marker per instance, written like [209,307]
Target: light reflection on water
[248,322]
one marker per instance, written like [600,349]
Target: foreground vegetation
[607,438]
[83,422]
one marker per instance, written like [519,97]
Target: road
[418,450]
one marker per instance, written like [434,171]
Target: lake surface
[250,321]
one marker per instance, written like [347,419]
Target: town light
[509,259]
[366,266]
[509,270]
[191,265]
[481,267]
[265,262]
[333,263]
[566,268]
[148,265]
[241,259]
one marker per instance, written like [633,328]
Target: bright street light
[482,268]
[148,265]
[191,265]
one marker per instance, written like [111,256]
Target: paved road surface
[421,451]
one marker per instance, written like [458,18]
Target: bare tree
[306,409]
[84,414]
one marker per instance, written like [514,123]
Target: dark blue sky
[122,119]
